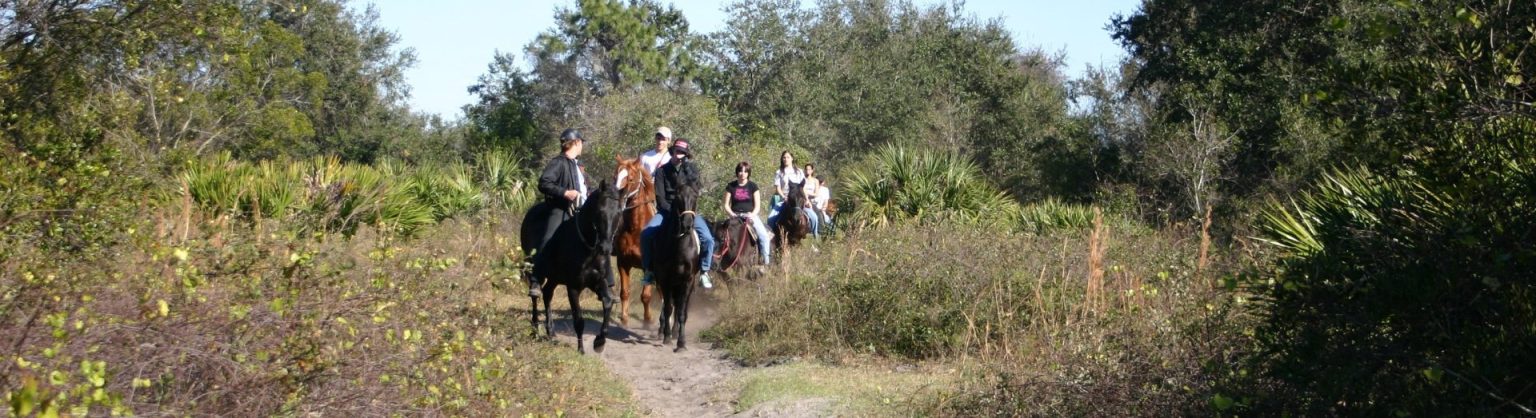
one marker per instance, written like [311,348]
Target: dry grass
[1077,323]
[194,316]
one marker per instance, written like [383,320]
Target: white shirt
[784,177]
[651,160]
[822,196]
[581,189]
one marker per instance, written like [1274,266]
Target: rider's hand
[571,195]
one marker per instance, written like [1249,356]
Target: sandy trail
[692,383]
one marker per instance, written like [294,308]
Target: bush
[1155,337]
[334,196]
[195,317]
[1397,295]
[896,184]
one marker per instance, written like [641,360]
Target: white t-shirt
[652,160]
[784,177]
[822,196]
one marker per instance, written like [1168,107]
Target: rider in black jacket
[564,186]
[681,167]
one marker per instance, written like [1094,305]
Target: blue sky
[455,39]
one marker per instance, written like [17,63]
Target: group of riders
[563,185]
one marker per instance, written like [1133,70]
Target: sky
[455,40]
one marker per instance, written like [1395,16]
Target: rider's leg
[647,235]
[811,218]
[707,244]
[552,221]
[764,239]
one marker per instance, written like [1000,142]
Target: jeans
[764,238]
[706,242]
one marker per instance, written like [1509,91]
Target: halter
[628,197]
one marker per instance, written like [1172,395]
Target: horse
[577,256]
[792,224]
[676,263]
[639,191]
[737,246]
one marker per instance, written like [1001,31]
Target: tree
[614,45]
[503,118]
[1403,282]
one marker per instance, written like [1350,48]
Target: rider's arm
[755,201]
[727,205]
[778,182]
[549,181]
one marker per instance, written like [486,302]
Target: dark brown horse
[577,256]
[639,191]
[737,249]
[792,224]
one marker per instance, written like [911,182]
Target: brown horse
[640,192]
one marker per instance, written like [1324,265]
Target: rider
[667,199]
[654,158]
[782,179]
[563,186]
[742,200]
[812,184]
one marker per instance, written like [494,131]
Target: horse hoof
[680,349]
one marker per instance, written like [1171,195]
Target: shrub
[1395,294]
[896,183]
[1016,306]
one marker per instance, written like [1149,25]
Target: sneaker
[704,280]
[649,279]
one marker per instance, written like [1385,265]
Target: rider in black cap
[563,186]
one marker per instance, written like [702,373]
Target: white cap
[664,132]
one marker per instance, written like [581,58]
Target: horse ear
[619,158]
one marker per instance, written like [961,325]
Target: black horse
[676,262]
[577,256]
[792,224]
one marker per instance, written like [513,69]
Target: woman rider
[742,200]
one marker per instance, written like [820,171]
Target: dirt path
[692,383]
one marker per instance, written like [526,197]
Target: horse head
[601,217]
[633,182]
[688,202]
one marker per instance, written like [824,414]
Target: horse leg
[623,295]
[573,293]
[648,295]
[549,317]
[666,318]
[682,320]
[606,297]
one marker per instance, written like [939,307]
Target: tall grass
[1016,307]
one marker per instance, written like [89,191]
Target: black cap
[570,134]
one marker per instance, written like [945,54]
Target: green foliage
[1402,287]
[503,118]
[845,77]
[1051,214]
[615,45]
[337,196]
[897,183]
